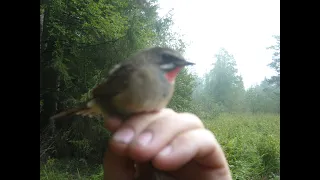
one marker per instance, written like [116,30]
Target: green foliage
[275,64]
[73,169]
[225,85]
[81,40]
[84,139]
[263,98]
[88,38]
[184,85]
[251,144]
[222,89]
[41,104]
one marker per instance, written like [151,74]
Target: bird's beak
[183,63]
[187,63]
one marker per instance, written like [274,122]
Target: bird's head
[169,61]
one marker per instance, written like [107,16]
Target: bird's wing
[115,83]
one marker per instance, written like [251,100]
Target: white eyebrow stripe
[167,66]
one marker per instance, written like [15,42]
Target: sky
[244,28]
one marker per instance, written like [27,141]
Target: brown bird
[141,84]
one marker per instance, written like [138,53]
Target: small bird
[143,83]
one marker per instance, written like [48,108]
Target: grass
[72,169]
[251,144]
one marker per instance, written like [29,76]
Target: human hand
[176,143]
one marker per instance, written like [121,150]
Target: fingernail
[145,138]
[124,136]
[167,150]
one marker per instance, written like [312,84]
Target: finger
[128,130]
[112,124]
[199,145]
[159,133]
[117,167]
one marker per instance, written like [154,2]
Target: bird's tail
[68,113]
[88,109]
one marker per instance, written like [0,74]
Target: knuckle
[185,139]
[169,111]
[195,120]
[210,134]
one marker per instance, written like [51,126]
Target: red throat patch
[171,75]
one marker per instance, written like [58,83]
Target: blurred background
[234,86]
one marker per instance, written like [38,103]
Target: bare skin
[174,142]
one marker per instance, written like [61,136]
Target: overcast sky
[244,28]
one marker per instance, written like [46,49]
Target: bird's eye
[169,61]
[167,58]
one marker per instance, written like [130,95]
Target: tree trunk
[49,75]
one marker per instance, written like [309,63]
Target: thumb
[117,167]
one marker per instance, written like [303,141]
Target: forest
[81,40]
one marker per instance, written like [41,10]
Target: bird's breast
[148,91]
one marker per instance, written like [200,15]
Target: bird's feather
[88,109]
